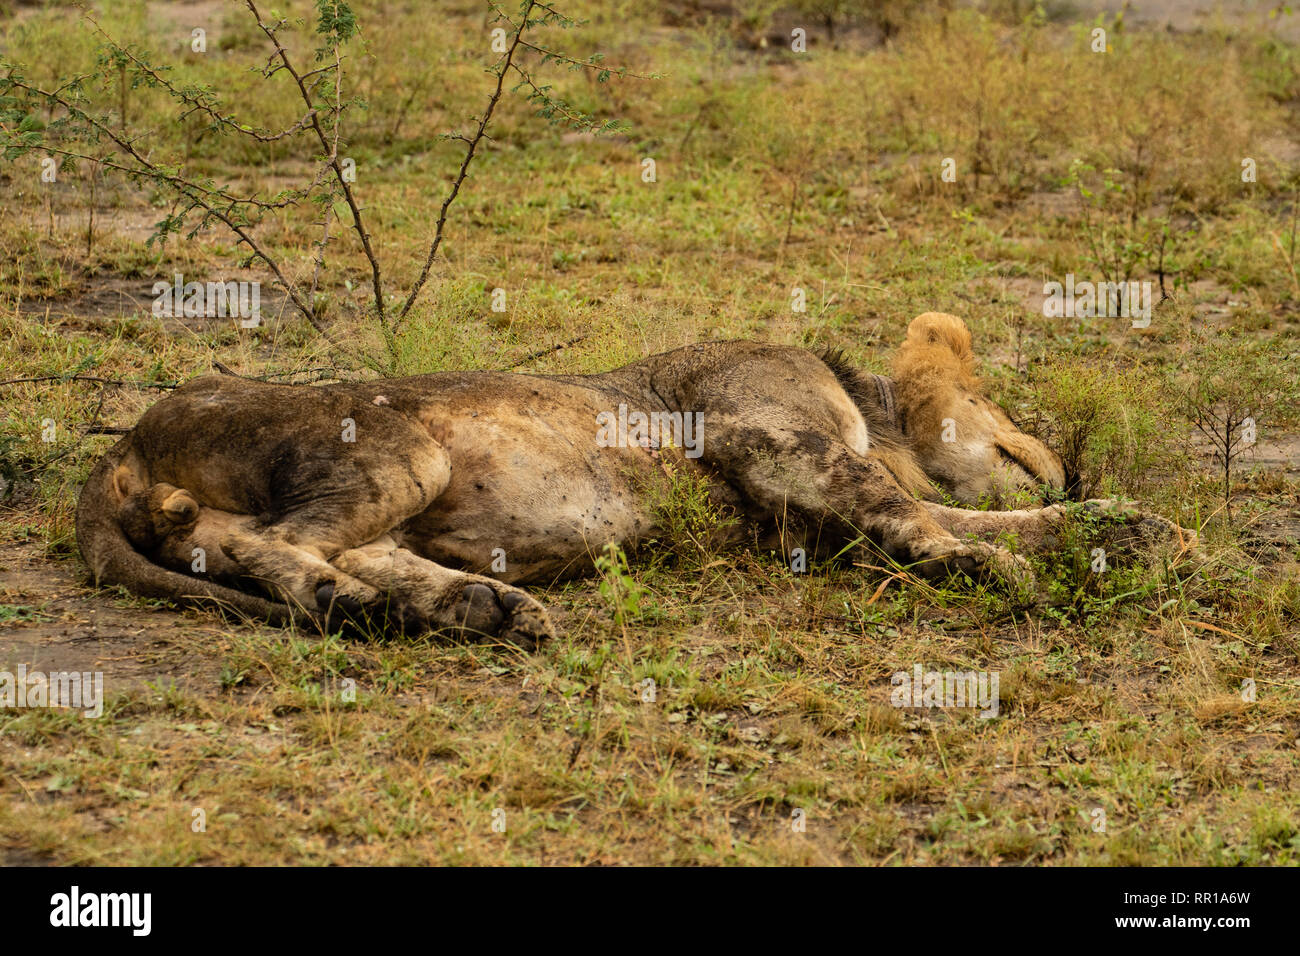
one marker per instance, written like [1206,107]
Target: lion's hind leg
[171,527]
[430,596]
[331,501]
[298,574]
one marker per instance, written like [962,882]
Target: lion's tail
[113,560]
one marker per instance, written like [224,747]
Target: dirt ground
[57,623]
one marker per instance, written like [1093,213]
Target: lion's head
[965,443]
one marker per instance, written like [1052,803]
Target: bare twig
[92,379]
[533,356]
[193,99]
[131,155]
[503,67]
[197,196]
[358,222]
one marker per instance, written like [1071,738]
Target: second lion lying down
[428,498]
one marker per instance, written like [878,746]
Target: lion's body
[435,493]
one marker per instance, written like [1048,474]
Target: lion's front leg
[1038,530]
[1034,529]
[783,470]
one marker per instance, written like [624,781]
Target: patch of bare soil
[1210,299]
[103,298]
[1192,15]
[1276,452]
[51,620]
[1272,537]
[1054,204]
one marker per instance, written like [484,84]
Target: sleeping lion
[431,498]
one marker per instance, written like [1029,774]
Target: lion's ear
[942,329]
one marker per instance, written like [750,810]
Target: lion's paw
[1141,528]
[492,609]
